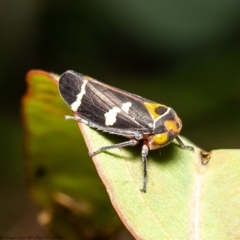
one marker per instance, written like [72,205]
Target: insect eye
[160,110]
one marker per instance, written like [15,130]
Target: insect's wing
[103,106]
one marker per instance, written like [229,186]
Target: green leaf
[59,172]
[185,199]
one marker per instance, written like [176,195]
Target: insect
[115,111]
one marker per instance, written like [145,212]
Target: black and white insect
[115,111]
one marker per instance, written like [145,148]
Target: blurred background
[185,54]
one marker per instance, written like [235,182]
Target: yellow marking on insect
[151,107]
[171,125]
[160,139]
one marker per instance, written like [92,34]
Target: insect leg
[131,142]
[182,145]
[144,160]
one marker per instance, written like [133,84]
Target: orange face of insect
[167,127]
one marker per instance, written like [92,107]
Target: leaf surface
[60,174]
[185,199]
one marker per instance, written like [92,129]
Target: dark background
[185,54]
